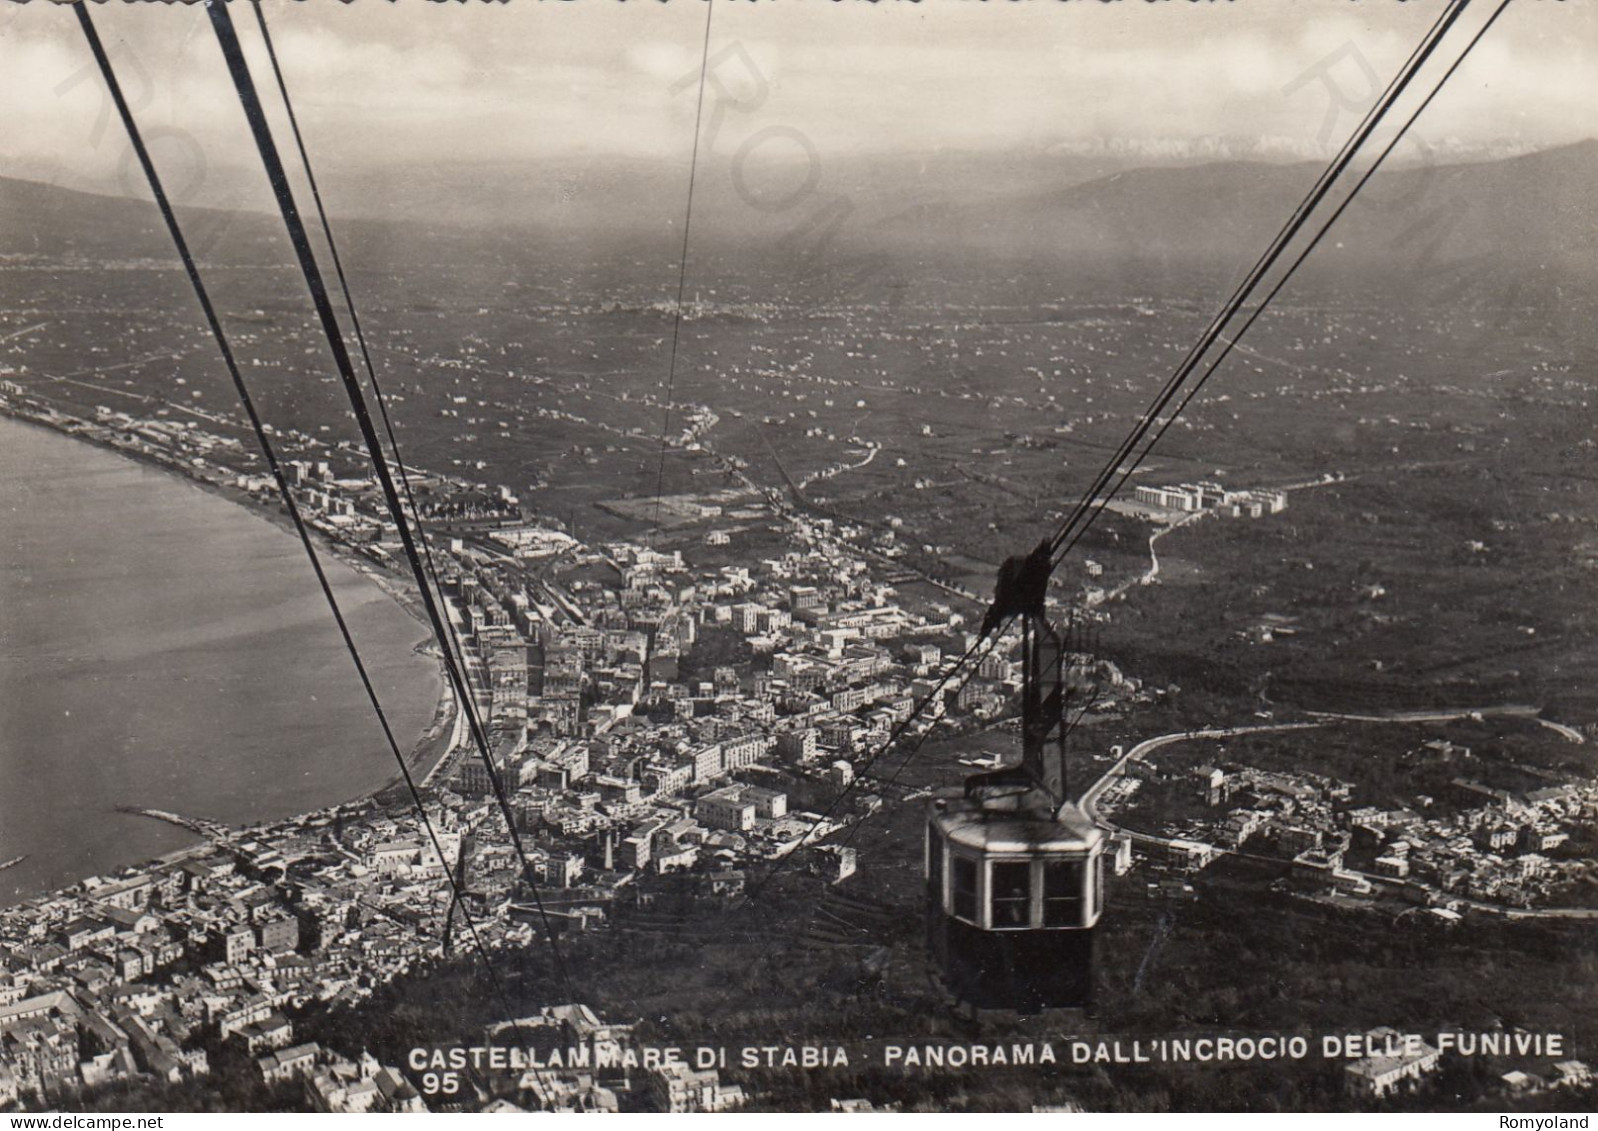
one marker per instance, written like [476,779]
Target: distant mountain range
[45,220]
[1148,150]
[1534,211]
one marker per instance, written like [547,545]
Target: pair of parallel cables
[1118,469]
[423,567]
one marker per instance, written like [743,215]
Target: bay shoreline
[425,750]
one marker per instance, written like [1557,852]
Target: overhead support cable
[682,274]
[249,99]
[269,453]
[978,651]
[982,643]
[470,704]
[1228,344]
[1094,501]
[1295,223]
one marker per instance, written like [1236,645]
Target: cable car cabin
[1012,900]
[1015,874]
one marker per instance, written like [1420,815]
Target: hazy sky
[377,84]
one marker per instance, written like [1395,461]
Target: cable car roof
[968,824]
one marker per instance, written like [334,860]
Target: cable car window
[965,888]
[1062,893]
[1010,886]
[1098,885]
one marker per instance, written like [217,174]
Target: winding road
[1090,799]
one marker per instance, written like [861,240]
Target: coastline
[426,749]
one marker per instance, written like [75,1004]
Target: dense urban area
[653,715]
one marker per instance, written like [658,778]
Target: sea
[162,647]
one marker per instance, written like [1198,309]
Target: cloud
[381,85]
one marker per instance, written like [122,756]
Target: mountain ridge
[1530,209]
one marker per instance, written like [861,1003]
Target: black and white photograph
[840,556]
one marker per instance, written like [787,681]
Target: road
[1137,753]
[839,468]
[1090,799]
[1149,575]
